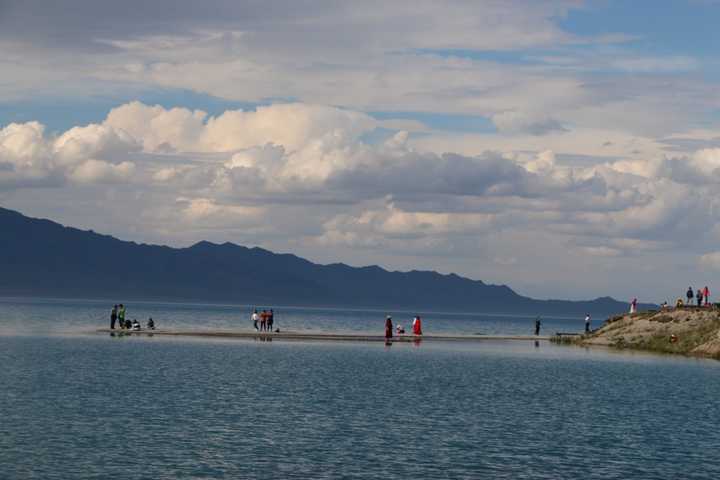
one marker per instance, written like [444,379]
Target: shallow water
[94,406]
[73,316]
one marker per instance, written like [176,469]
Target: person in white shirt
[587,323]
[255,318]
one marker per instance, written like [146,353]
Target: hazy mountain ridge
[43,258]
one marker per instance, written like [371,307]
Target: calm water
[91,406]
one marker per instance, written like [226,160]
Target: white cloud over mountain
[306,172]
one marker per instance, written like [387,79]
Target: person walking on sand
[689,294]
[388,328]
[537,326]
[121,315]
[706,295]
[254,317]
[699,297]
[113,317]
[417,326]
[633,306]
[587,323]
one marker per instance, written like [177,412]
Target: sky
[569,149]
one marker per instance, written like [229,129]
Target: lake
[83,405]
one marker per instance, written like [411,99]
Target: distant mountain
[44,258]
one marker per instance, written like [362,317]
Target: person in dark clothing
[113,317]
[537,326]
[128,324]
[689,296]
[151,324]
[699,297]
[270,320]
[388,328]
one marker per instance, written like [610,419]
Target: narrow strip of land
[319,336]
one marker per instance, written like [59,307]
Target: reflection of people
[587,323]
[417,326]
[537,326]
[388,327]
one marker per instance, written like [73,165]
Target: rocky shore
[686,330]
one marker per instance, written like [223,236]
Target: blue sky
[520,141]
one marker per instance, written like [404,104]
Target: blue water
[78,405]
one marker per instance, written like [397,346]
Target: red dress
[417,326]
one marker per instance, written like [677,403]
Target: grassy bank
[685,331]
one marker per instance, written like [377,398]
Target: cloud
[520,122]
[90,154]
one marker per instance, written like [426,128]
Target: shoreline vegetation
[690,331]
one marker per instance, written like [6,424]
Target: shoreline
[349,337]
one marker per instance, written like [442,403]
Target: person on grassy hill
[689,295]
[706,295]
[699,297]
[587,323]
[633,305]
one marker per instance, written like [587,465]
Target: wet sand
[289,335]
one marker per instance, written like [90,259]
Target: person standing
[587,323]
[633,305]
[537,326]
[121,315]
[706,295]
[113,317]
[417,326]
[388,328]
[254,317]
[270,320]
[263,320]
[699,297]
[689,294]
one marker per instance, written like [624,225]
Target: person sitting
[679,303]
[135,324]
[151,324]
[400,329]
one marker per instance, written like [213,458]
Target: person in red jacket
[417,326]
[706,295]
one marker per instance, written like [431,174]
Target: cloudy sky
[567,148]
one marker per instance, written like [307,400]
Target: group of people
[702,296]
[263,322]
[416,327]
[117,315]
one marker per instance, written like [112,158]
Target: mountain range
[43,258]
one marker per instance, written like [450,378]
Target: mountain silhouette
[43,258]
